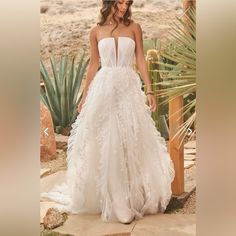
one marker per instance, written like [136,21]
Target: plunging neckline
[116,42]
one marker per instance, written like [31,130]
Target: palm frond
[178,67]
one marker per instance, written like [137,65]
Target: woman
[118,164]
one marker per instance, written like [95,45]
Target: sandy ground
[65,24]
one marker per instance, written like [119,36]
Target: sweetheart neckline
[117,38]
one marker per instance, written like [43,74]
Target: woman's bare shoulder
[93,31]
[135,25]
[136,28]
[94,28]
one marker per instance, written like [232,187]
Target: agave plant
[178,69]
[61,93]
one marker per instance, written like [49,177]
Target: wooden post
[176,149]
[188,3]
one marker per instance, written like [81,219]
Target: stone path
[151,225]
[189,154]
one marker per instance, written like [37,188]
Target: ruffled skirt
[118,164]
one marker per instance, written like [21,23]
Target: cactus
[162,110]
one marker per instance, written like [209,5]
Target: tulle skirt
[118,163]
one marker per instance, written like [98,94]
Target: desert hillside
[65,23]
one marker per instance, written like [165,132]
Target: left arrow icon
[45,131]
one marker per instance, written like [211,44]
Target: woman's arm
[140,60]
[94,60]
[93,64]
[142,65]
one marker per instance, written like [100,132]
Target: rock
[44,9]
[61,141]
[61,138]
[190,144]
[190,157]
[188,164]
[61,145]
[44,206]
[56,234]
[47,140]
[53,219]
[59,151]
[189,151]
[44,171]
[41,227]
[59,2]
[139,3]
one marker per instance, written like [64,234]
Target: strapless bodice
[120,54]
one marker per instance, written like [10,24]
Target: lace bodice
[116,52]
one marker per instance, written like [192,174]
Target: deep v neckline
[116,44]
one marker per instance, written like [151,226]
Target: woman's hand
[152,102]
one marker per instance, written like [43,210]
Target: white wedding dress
[118,164]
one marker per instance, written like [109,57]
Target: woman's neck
[111,21]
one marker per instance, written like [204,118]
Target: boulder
[47,136]
[53,219]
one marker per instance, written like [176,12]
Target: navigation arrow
[45,131]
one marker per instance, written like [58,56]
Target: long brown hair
[106,10]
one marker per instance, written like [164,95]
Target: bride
[118,164]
